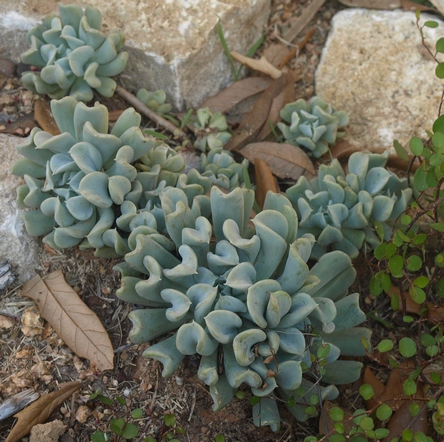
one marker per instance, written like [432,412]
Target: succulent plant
[75,181]
[341,209]
[73,55]
[313,124]
[222,169]
[155,100]
[221,286]
[211,130]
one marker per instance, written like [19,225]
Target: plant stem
[145,110]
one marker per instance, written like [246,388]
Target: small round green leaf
[366,423]
[336,414]
[409,387]
[130,431]
[418,295]
[416,146]
[421,281]
[385,345]
[414,263]
[137,413]
[431,24]
[407,347]
[440,45]
[383,412]
[427,340]
[396,264]
[366,391]
[380,433]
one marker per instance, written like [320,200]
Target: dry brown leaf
[21,127]
[372,4]
[43,116]
[402,418]
[285,160]
[275,53]
[39,411]
[286,96]
[393,393]
[261,65]
[74,322]
[343,149]
[412,6]
[234,94]
[376,384]
[115,114]
[265,181]
[258,115]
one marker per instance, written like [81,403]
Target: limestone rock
[49,432]
[173,44]
[16,246]
[375,68]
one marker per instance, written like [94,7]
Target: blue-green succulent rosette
[343,209]
[215,284]
[312,125]
[73,56]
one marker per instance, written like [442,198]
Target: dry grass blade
[285,160]
[40,410]
[43,116]
[261,65]
[234,94]
[74,322]
[265,181]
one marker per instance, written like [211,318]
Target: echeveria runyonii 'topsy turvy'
[313,125]
[340,209]
[73,55]
[242,291]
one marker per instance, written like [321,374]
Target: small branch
[145,110]
[297,48]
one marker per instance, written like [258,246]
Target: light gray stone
[16,246]
[173,44]
[374,67]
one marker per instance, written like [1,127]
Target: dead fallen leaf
[43,116]
[275,53]
[265,181]
[261,65]
[74,322]
[393,394]
[285,160]
[21,127]
[115,114]
[297,48]
[39,411]
[378,387]
[234,94]
[343,149]
[402,418]
[7,68]
[258,115]
[286,96]
[372,4]
[413,6]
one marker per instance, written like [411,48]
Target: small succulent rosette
[211,130]
[76,182]
[240,296]
[342,209]
[313,125]
[73,56]
[156,101]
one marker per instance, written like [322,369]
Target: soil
[35,357]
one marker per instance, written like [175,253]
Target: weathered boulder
[173,44]
[374,67]
[16,246]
